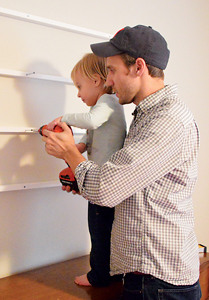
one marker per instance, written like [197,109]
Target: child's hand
[52,124]
[81,147]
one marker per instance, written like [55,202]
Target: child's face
[87,89]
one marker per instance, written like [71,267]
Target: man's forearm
[74,158]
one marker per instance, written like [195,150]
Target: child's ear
[97,79]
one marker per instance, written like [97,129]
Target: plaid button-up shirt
[150,182]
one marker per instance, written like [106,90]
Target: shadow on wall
[23,157]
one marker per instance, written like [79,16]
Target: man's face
[124,81]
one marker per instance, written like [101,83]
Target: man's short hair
[153,71]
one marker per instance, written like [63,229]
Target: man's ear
[140,66]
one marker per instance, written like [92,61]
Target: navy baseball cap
[139,41]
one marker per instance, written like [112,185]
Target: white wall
[43,226]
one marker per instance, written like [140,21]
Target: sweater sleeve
[98,114]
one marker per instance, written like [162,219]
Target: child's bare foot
[82,280]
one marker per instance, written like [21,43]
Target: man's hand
[58,144]
[68,190]
[62,145]
[52,124]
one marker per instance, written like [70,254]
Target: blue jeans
[100,221]
[147,287]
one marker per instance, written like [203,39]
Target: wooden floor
[56,282]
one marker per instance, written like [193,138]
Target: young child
[106,130]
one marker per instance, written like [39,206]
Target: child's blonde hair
[90,65]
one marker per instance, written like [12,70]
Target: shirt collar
[155,98]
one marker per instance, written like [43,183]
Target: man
[151,179]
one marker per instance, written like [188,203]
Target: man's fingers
[68,190]
[46,132]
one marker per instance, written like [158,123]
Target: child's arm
[98,115]
[52,124]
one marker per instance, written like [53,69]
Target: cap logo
[118,32]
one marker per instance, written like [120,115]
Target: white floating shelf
[28,186]
[55,24]
[26,130]
[16,130]
[34,75]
